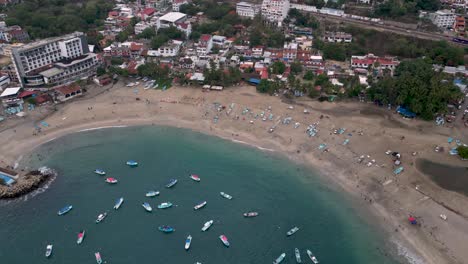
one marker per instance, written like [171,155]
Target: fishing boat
[280,259]
[65,210]
[101,217]
[81,235]
[207,225]
[118,203]
[200,205]
[165,205]
[225,240]
[99,172]
[298,255]
[166,229]
[132,163]
[152,193]
[188,241]
[292,231]
[225,195]
[147,207]
[312,257]
[98,257]
[250,214]
[171,183]
[111,180]
[195,177]
[48,252]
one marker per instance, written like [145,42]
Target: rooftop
[10,91]
[173,17]
[67,89]
[42,42]
[51,72]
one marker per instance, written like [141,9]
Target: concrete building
[338,37]
[13,33]
[141,26]
[4,82]
[205,44]
[54,61]
[443,18]
[459,26]
[171,49]
[176,4]
[171,19]
[275,11]
[244,9]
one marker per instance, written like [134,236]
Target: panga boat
[195,177]
[98,257]
[65,210]
[188,241]
[152,193]
[225,240]
[207,225]
[292,231]
[80,238]
[101,217]
[166,229]
[200,205]
[132,163]
[118,203]
[298,255]
[99,172]
[147,207]
[111,180]
[171,183]
[250,214]
[280,259]
[312,257]
[225,195]
[165,205]
[48,252]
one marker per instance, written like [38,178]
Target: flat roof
[173,17]
[51,72]
[10,91]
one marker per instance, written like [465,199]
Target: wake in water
[245,143]
[97,128]
[411,257]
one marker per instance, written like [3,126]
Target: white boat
[225,195]
[152,193]
[99,172]
[48,252]
[207,225]
[312,257]
[195,177]
[188,241]
[297,253]
[200,205]
[280,259]
[101,217]
[98,257]
[80,238]
[147,207]
[292,231]
[118,203]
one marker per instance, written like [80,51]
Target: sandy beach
[371,132]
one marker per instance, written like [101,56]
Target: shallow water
[284,194]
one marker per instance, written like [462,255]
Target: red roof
[205,38]
[264,74]
[26,93]
[113,13]
[183,25]
[43,98]
[67,89]
[136,46]
[148,11]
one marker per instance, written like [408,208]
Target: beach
[373,131]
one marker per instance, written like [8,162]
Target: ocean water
[284,194]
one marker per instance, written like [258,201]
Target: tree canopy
[463,152]
[398,8]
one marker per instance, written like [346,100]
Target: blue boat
[132,163]
[166,229]
[118,203]
[171,183]
[65,210]
[99,172]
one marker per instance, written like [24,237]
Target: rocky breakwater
[27,183]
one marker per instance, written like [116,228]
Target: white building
[205,44]
[141,26]
[337,37]
[219,40]
[275,11]
[244,9]
[171,19]
[443,18]
[171,49]
[176,4]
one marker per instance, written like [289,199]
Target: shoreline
[191,113]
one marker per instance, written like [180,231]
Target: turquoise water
[285,195]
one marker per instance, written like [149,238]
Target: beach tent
[405,112]
[412,220]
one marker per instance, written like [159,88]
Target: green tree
[100,71]
[309,75]
[332,51]
[278,67]
[296,67]
[463,152]
[147,33]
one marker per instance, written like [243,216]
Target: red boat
[224,240]
[80,237]
[195,177]
[111,180]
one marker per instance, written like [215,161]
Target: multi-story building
[290,51]
[244,9]
[141,26]
[338,37]
[13,33]
[168,50]
[443,18]
[176,4]
[54,61]
[459,26]
[370,60]
[275,11]
[205,44]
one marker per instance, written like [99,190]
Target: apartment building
[13,33]
[141,26]
[338,37]
[443,18]
[176,4]
[205,44]
[275,11]
[244,9]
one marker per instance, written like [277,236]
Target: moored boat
[207,225]
[80,238]
[250,214]
[292,231]
[195,177]
[111,180]
[166,229]
[165,205]
[280,258]
[200,205]
[298,255]
[98,257]
[118,203]
[312,257]
[101,217]
[152,193]
[99,172]
[65,210]
[225,195]
[188,241]
[132,163]
[48,252]
[171,183]
[225,240]
[147,207]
